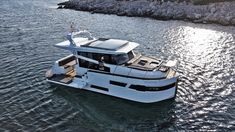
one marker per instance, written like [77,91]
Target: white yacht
[111,67]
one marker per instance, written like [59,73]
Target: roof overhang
[111,46]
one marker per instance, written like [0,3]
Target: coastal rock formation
[221,13]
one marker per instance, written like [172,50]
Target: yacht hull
[103,86]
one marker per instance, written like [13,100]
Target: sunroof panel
[111,44]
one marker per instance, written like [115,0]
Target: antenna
[70,34]
[72,27]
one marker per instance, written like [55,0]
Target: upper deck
[101,45]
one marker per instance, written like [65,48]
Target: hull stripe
[118,83]
[127,76]
[144,88]
[100,88]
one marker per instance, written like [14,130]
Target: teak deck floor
[64,78]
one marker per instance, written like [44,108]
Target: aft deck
[64,78]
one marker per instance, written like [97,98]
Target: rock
[60,7]
[213,10]
[63,3]
[197,16]
[222,13]
[222,21]
[233,21]
[121,13]
[198,21]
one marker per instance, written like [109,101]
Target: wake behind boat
[111,67]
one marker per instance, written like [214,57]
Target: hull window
[144,88]
[100,88]
[118,83]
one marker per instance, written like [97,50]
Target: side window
[130,55]
[89,55]
[113,60]
[120,59]
[96,56]
[87,64]
[108,59]
[85,54]
[83,63]
[90,65]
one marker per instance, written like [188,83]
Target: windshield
[121,59]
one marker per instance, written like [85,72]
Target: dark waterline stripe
[144,88]
[100,88]
[118,83]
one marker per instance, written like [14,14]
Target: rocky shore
[220,13]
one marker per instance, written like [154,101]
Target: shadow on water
[110,113]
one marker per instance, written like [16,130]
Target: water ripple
[205,98]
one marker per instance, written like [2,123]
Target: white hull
[100,83]
[110,67]
[147,97]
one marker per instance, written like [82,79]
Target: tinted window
[90,65]
[108,58]
[83,63]
[85,54]
[121,59]
[130,55]
[96,56]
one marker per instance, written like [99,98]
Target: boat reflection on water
[110,113]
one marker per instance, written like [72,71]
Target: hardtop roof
[107,44]
[101,45]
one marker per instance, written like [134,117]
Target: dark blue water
[29,28]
